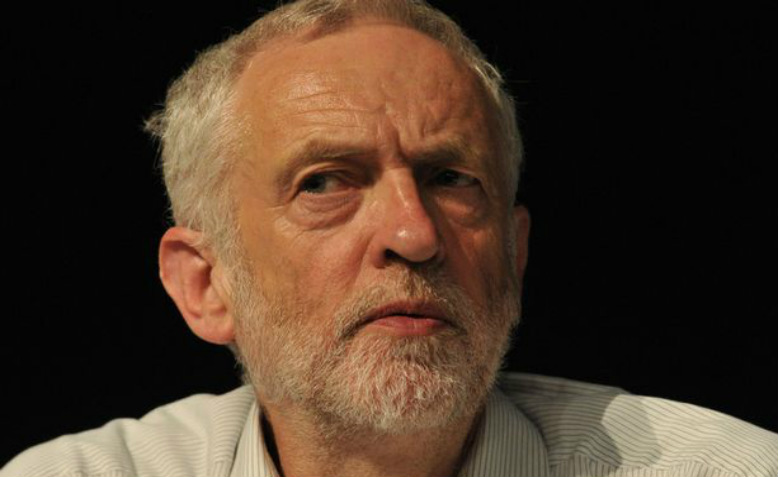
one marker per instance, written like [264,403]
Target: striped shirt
[532,426]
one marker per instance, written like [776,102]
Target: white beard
[355,382]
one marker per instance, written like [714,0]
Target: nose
[404,229]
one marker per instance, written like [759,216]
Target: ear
[522,224]
[195,281]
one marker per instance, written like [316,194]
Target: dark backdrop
[651,177]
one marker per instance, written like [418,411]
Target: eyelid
[337,173]
[328,178]
[470,177]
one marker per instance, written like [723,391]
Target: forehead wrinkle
[303,85]
[444,100]
[342,95]
[326,111]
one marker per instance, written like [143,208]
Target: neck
[303,448]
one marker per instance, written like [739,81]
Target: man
[342,176]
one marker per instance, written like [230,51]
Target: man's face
[379,282]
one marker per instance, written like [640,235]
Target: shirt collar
[251,456]
[506,443]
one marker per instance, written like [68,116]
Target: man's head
[374,256]
[201,135]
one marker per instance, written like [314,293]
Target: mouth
[407,318]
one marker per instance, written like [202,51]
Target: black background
[651,177]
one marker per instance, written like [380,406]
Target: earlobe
[522,224]
[191,276]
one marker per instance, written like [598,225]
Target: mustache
[429,289]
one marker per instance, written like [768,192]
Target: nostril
[391,255]
[413,252]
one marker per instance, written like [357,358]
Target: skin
[370,150]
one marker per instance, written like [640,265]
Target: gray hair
[200,135]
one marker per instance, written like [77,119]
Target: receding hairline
[310,33]
[322,27]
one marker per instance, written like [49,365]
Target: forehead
[368,68]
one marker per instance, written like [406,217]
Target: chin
[383,385]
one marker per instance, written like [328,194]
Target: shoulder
[193,436]
[602,429]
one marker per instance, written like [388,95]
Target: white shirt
[533,426]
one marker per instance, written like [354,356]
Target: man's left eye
[452,178]
[320,184]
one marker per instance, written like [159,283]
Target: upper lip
[412,308]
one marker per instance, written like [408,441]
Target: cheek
[317,268]
[466,207]
[480,261]
[273,266]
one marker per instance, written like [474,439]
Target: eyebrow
[450,151]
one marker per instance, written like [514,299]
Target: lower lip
[401,325]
